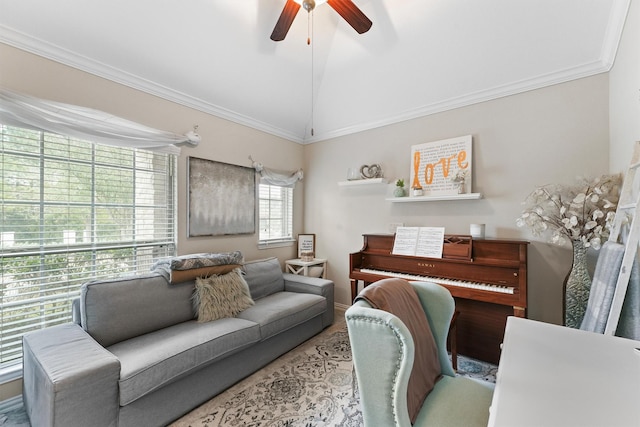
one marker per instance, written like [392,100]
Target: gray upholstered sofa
[137,357]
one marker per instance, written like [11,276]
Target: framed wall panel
[222,198]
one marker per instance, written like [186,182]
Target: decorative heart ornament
[373,171]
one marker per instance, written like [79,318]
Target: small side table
[297,266]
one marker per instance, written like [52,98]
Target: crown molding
[514,88]
[56,53]
[617,18]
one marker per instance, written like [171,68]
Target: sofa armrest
[312,285]
[75,312]
[69,379]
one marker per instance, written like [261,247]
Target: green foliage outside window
[72,211]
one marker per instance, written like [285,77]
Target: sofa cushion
[220,296]
[152,360]
[115,310]
[187,267]
[283,310]
[264,277]
[442,406]
[178,276]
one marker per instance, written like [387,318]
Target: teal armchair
[383,356]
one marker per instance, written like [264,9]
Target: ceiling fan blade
[351,14]
[284,22]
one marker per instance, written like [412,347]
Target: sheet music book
[419,241]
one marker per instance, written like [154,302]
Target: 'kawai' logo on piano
[424,264]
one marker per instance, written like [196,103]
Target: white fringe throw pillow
[220,296]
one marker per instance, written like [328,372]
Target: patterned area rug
[313,385]
[310,386]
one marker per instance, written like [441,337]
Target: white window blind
[275,214]
[73,211]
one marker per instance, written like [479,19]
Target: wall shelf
[467,196]
[359,182]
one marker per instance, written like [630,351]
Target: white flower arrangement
[460,177]
[582,212]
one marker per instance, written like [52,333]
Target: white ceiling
[420,56]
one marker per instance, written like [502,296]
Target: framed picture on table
[306,246]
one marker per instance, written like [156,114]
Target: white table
[297,266]
[551,375]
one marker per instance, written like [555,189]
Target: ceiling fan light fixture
[309,5]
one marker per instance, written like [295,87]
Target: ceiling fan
[345,8]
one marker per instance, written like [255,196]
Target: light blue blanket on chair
[629,324]
[602,291]
[603,287]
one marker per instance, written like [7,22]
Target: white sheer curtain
[87,124]
[275,177]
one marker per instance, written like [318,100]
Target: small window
[275,213]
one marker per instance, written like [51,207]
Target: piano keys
[488,285]
[444,281]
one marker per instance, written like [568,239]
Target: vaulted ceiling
[419,57]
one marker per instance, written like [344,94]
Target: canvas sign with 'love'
[442,167]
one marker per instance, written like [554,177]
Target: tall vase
[577,285]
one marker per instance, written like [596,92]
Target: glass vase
[577,285]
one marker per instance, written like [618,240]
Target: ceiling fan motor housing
[309,5]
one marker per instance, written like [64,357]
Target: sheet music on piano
[419,241]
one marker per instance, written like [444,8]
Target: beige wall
[543,136]
[221,140]
[624,91]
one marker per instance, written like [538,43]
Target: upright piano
[486,277]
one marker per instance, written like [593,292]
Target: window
[73,211]
[275,214]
